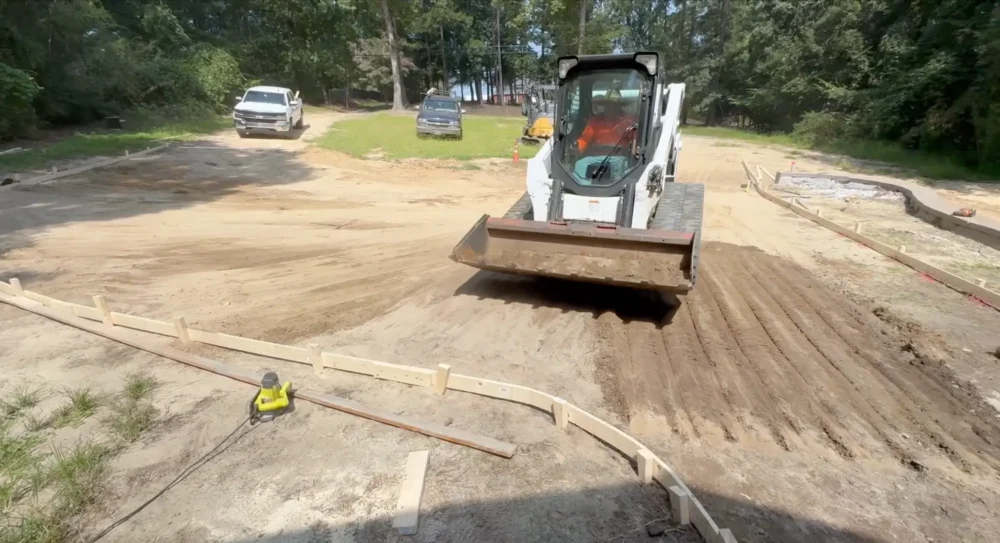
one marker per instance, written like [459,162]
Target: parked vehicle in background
[267,109]
[440,116]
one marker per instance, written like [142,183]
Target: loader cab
[603,125]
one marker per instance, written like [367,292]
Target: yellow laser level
[272,400]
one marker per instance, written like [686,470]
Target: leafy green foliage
[17,90]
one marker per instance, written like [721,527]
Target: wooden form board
[439,431]
[625,444]
[92,166]
[408,507]
[951,280]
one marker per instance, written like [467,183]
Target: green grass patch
[131,418]
[392,136]
[723,132]
[20,467]
[922,163]
[76,474]
[33,423]
[138,386]
[36,527]
[925,164]
[82,403]
[111,142]
[131,414]
[21,400]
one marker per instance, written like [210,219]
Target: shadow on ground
[184,175]
[613,514]
[628,304]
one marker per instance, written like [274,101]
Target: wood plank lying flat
[438,431]
[408,508]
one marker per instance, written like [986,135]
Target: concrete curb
[925,204]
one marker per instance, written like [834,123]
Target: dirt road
[794,411]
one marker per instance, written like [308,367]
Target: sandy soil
[794,407]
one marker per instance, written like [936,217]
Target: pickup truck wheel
[242,133]
[302,121]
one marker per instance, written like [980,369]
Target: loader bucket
[630,257]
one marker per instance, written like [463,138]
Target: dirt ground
[808,389]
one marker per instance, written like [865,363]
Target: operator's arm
[585,136]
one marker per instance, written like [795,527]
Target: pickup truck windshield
[262,97]
[441,105]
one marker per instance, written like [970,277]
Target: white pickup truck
[267,109]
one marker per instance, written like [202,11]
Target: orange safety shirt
[602,130]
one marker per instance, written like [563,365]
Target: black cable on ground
[253,419]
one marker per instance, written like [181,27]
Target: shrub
[822,127]
[17,91]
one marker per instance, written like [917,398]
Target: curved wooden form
[925,204]
[685,506]
[757,178]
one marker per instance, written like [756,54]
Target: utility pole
[503,100]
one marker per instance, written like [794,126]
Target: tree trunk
[686,55]
[444,61]
[478,80]
[499,62]
[430,67]
[398,97]
[583,26]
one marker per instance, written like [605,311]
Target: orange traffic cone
[515,150]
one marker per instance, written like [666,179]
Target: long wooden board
[438,431]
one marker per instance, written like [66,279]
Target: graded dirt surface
[808,389]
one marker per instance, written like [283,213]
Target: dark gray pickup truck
[440,116]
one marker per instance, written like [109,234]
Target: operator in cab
[606,127]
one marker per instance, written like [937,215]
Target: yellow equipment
[272,400]
[539,108]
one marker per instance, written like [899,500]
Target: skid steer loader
[602,204]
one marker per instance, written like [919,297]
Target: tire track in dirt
[762,354]
[878,377]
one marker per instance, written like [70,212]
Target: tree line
[924,74]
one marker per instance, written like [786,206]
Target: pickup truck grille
[260,117]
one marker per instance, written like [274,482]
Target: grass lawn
[109,142]
[395,136]
[924,164]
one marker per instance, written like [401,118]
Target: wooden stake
[560,413]
[680,505]
[819,213]
[902,249]
[857,226]
[981,282]
[645,462]
[102,306]
[16,283]
[316,357]
[441,378]
[408,507]
[182,330]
